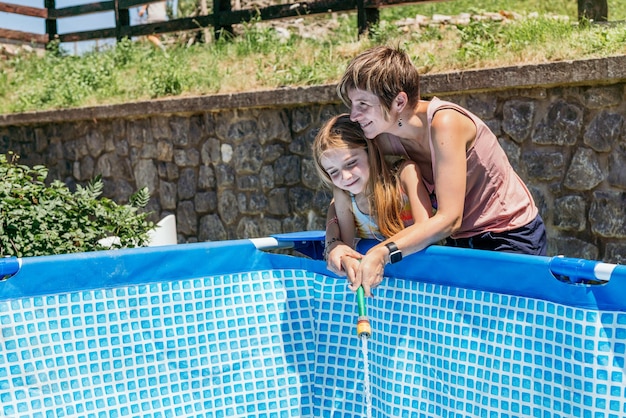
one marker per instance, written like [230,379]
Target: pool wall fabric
[232,329]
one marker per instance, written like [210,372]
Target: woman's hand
[371,269]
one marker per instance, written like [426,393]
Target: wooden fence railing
[222,18]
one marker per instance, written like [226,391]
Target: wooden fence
[221,19]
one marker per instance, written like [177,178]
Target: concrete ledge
[565,73]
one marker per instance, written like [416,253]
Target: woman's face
[348,168]
[367,111]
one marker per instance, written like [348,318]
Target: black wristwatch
[395,254]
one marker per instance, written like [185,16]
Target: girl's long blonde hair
[383,190]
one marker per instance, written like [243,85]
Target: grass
[259,58]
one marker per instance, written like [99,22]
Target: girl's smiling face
[348,168]
[368,112]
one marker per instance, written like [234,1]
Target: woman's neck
[413,134]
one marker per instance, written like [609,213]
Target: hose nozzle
[363,327]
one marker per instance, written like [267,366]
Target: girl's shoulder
[404,165]
[407,174]
[341,196]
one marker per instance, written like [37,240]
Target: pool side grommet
[581,272]
[9,266]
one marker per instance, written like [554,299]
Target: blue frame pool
[223,329]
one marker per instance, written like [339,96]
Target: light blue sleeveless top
[366,227]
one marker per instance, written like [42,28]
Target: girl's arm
[343,207]
[340,235]
[413,185]
[451,133]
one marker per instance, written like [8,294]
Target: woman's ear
[400,102]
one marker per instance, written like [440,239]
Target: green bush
[39,219]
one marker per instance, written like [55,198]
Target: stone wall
[239,166]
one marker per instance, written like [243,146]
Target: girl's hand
[371,269]
[336,254]
[351,267]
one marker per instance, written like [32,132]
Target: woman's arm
[451,134]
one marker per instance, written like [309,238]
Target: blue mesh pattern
[282,343]
[449,352]
[237,345]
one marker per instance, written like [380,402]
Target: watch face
[395,254]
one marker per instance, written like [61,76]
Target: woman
[480,201]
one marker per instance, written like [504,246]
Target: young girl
[371,199]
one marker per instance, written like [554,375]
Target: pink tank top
[496,199]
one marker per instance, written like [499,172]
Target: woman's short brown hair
[383,71]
